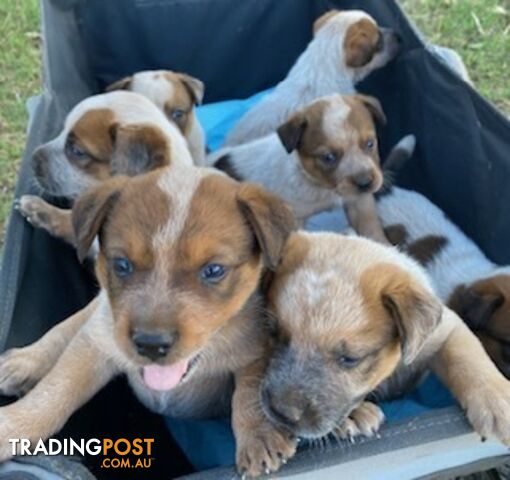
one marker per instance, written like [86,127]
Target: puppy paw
[34,209]
[365,420]
[488,411]
[264,452]
[19,371]
[7,431]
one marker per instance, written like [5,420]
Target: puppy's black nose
[153,345]
[364,181]
[283,410]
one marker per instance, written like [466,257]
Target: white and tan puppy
[176,94]
[347,46]
[464,278]
[117,133]
[324,155]
[354,320]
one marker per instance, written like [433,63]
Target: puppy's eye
[122,267]
[73,150]
[213,273]
[348,362]
[177,114]
[329,159]
[370,144]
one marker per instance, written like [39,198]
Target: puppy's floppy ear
[414,309]
[90,211]
[291,132]
[360,44]
[374,107]
[138,148]
[323,19]
[475,308]
[194,86]
[122,84]
[270,219]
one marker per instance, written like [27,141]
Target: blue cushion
[210,443]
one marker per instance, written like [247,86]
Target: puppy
[103,136]
[175,94]
[347,46]
[464,278]
[179,310]
[323,156]
[354,320]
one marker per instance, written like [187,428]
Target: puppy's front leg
[260,446]
[79,373]
[480,388]
[40,214]
[362,215]
[22,368]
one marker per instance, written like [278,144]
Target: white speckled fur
[319,71]
[460,262]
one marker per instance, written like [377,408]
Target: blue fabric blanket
[210,443]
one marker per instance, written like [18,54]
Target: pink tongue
[159,377]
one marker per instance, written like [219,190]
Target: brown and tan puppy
[118,133]
[179,311]
[175,94]
[325,155]
[352,320]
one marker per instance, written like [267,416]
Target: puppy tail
[395,161]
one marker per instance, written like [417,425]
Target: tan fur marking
[323,19]
[93,133]
[361,43]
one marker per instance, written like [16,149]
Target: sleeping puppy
[323,156]
[175,94]
[179,310]
[118,133]
[354,320]
[347,46]
[464,278]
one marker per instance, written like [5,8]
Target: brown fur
[415,311]
[139,148]
[485,307]
[362,41]
[425,249]
[323,19]
[93,133]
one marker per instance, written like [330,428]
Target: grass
[478,29]
[19,79]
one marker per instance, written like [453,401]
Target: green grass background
[478,29]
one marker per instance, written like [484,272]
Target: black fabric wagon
[239,48]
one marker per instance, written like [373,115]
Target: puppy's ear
[323,19]
[90,211]
[270,219]
[194,86]
[475,308]
[122,84]
[291,132]
[374,107]
[360,44]
[414,309]
[138,148]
